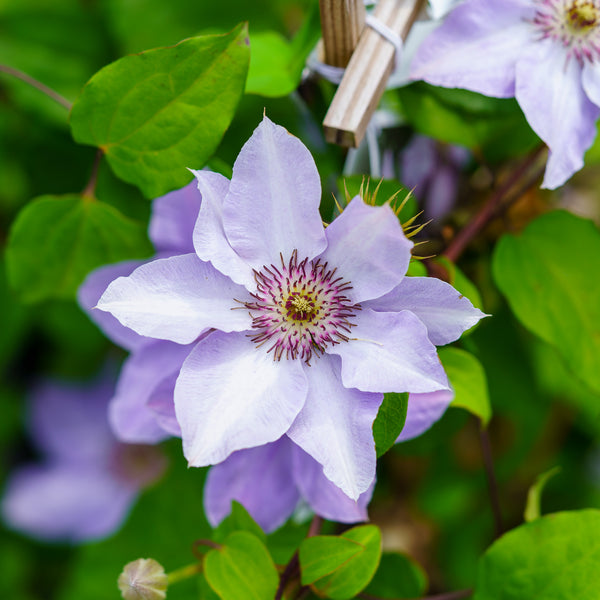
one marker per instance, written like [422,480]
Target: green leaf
[545,274]
[270,56]
[387,189]
[468,381]
[158,112]
[534,495]
[340,567]
[242,569]
[276,64]
[390,421]
[398,576]
[238,520]
[460,282]
[494,126]
[555,557]
[56,240]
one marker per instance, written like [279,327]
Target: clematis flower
[298,329]
[87,481]
[270,480]
[545,53]
[142,410]
[433,170]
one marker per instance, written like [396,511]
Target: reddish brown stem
[486,451]
[489,210]
[90,188]
[37,85]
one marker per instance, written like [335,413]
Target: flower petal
[477,46]
[390,352]
[91,290]
[590,79]
[550,93]
[68,422]
[443,310]
[335,427]
[272,207]
[232,395]
[176,299]
[261,479]
[423,411]
[131,418]
[162,404]
[210,241]
[368,248]
[173,217]
[66,503]
[325,498]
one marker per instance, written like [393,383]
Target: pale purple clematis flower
[433,170]
[270,480]
[142,408]
[307,326]
[545,53]
[86,482]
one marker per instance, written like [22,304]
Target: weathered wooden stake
[367,73]
[341,22]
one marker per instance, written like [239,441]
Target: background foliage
[529,374]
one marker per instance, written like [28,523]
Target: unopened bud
[143,579]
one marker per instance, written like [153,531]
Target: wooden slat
[341,23]
[367,73]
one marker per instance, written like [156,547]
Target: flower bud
[143,579]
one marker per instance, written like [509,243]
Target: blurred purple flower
[142,409]
[270,480]
[86,481]
[303,327]
[545,53]
[433,170]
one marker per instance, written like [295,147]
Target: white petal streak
[210,241]
[390,352]
[368,248]
[272,207]
[443,310]
[232,395]
[336,427]
[176,299]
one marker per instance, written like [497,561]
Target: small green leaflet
[468,381]
[242,569]
[534,495]
[340,567]
[390,421]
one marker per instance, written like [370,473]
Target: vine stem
[38,85]
[490,209]
[293,567]
[184,573]
[486,451]
[90,188]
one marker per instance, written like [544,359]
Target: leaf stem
[37,85]
[292,569]
[486,451]
[184,573]
[490,208]
[90,188]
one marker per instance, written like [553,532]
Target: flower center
[575,24]
[582,15]
[300,308]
